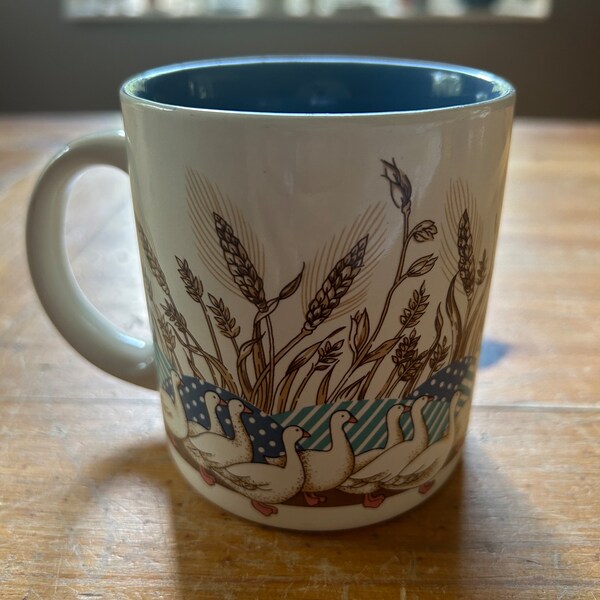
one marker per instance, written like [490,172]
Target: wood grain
[91,506]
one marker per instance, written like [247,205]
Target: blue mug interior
[316,86]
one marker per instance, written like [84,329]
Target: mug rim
[506,97]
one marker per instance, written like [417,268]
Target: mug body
[317,238]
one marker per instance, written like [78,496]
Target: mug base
[311,518]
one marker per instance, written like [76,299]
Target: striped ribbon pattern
[370,430]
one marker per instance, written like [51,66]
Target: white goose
[267,484]
[211,401]
[216,451]
[420,470]
[394,436]
[391,461]
[326,469]
[174,412]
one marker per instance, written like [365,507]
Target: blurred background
[72,55]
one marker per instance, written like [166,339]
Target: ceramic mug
[317,237]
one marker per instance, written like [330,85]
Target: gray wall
[49,64]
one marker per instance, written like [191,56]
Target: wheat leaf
[381,351]
[290,289]
[303,357]
[453,313]
[349,392]
[323,390]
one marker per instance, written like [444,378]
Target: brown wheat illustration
[325,290]
[336,285]
[225,322]
[241,268]
[153,261]
[466,263]
[327,357]
[439,355]
[168,310]
[193,286]
[401,195]
[327,299]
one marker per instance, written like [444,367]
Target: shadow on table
[492,352]
[455,543]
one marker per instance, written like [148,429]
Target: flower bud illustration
[400,186]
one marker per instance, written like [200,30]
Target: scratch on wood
[57,576]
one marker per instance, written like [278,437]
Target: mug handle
[76,318]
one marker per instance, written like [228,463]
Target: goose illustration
[390,462]
[394,436]
[216,451]
[326,469]
[267,484]
[419,472]
[175,416]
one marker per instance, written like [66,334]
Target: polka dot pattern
[264,431]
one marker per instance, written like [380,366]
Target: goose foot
[313,499]
[371,501]
[423,489]
[207,476]
[264,509]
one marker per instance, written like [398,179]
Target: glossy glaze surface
[316,85]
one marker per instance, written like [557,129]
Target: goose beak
[305,434]
[352,419]
[247,410]
[406,409]
[222,402]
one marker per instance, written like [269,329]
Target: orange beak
[305,434]
[352,419]
[406,408]
[247,410]
[221,402]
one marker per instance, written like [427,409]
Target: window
[157,9]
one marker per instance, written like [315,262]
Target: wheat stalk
[439,355]
[167,333]
[482,269]
[153,261]
[405,355]
[225,322]
[410,317]
[336,285]
[240,266]
[466,263]
[328,357]
[174,316]
[328,354]
[417,305]
[193,286]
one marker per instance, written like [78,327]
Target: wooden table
[91,506]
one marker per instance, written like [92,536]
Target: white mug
[317,237]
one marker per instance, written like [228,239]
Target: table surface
[91,506]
